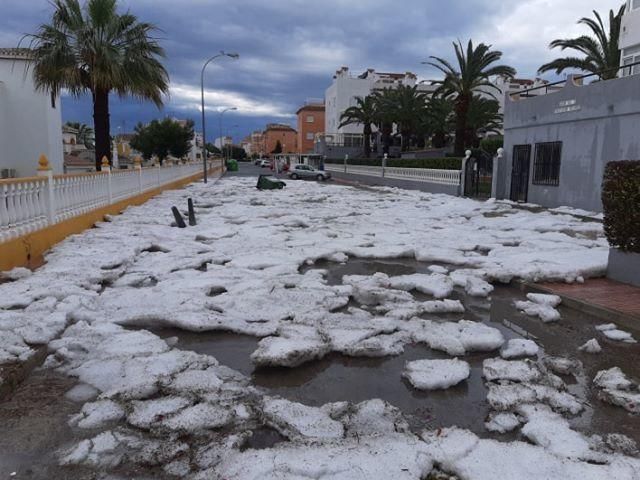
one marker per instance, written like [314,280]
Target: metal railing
[524,93]
[31,203]
[427,175]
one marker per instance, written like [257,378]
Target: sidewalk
[608,299]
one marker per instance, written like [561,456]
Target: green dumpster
[232,165]
[267,182]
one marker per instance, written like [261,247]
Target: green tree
[364,113]
[483,117]
[85,134]
[211,148]
[601,54]
[472,75]
[238,153]
[163,138]
[94,49]
[403,106]
[438,120]
[143,141]
[278,148]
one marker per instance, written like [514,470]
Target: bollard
[178,216]
[192,213]
[384,164]
[346,159]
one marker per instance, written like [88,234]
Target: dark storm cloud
[289,49]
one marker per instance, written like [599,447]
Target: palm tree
[601,54]
[85,133]
[472,76]
[403,106]
[438,119]
[364,112]
[94,49]
[483,117]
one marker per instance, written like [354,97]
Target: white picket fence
[32,203]
[429,175]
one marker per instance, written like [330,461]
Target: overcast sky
[289,49]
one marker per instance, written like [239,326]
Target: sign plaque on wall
[567,106]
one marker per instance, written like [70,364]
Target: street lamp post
[230,109]
[204,134]
[230,131]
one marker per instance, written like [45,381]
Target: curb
[626,320]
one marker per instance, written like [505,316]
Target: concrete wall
[29,126]
[596,123]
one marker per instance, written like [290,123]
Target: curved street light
[230,109]
[230,131]
[234,56]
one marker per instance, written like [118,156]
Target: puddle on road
[34,427]
[337,377]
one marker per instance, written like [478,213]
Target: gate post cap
[467,153]
[500,152]
[105,161]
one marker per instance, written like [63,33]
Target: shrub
[492,144]
[621,203]
[450,163]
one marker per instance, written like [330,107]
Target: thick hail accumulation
[238,270]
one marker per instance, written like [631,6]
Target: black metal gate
[478,175]
[520,173]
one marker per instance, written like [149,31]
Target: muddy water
[33,426]
[337,377]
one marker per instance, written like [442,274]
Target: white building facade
[30,120]
[630,38]
[346,88]
[223,141]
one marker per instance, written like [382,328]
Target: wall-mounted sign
[567,106]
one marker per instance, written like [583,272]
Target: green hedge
[621,202]
[450,163]
[492,144]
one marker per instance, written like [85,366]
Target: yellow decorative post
[43,165]
[106,167]
[44,170]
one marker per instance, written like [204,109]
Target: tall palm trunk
[101,126]
[462,110]
[367,140]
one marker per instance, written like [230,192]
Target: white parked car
[265,163]
[306,171]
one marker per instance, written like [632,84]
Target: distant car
[307,171]
[257,161]
[265,163]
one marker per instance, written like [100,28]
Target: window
[546,167]
[310,119]
[629,61]
[310,136]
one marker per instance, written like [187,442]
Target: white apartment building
[30,120]
[346,88]
[630,38]
[223,141]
